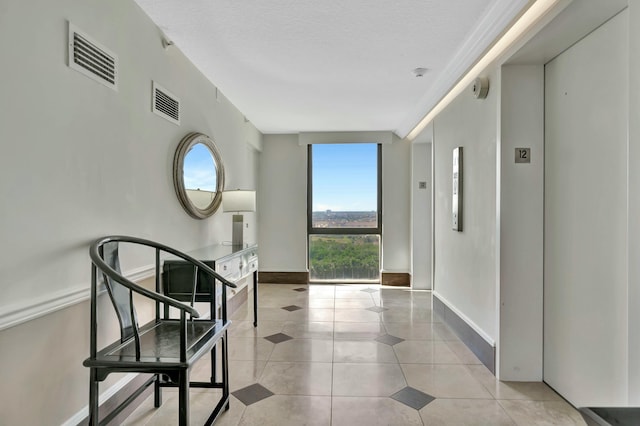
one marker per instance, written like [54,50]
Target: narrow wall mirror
[198,175]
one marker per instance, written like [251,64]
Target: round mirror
[198,175]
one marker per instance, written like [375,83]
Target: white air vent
[165,104]
[92,59]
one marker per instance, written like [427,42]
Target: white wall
[282,204]
[396,206]
[491,273]
[520,224]
[80,161]
[586,234]
[421,235]
[592,278]
[46,382]
[465,266]
[283,183]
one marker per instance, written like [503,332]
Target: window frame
[342,231]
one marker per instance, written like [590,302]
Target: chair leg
[225,370]
[93,398]
[214,350]
[157,392]
[183,398]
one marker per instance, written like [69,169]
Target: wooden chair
[165,347]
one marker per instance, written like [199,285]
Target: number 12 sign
[523,155]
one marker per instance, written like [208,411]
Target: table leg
[255,298]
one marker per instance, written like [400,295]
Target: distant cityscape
[338,219]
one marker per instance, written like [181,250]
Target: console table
[232,262]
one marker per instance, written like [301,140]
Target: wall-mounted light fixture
[238,201]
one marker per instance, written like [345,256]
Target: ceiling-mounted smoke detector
[419,72]
[480,87]
[90,58]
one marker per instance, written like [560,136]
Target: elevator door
[585,249]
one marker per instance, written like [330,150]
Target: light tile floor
[357,355]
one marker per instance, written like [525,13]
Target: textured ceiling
[333,65]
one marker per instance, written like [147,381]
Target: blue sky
[344,177]
[199,171]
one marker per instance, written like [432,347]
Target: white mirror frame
[178,175]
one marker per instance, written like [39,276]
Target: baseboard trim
[283,277]
[607,416]
[111,398]
[591,418]
[396,279]
[480,345]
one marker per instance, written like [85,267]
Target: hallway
[357,355]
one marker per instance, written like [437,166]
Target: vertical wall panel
[585,317]
[634,204]
[421,235]
[520,222]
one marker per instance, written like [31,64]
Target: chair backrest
[121,296]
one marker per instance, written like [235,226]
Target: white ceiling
[333,65]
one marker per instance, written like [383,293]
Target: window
[344,212]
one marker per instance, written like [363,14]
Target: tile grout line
[506,412]
[243,414]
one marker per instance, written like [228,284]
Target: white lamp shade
[239,201]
